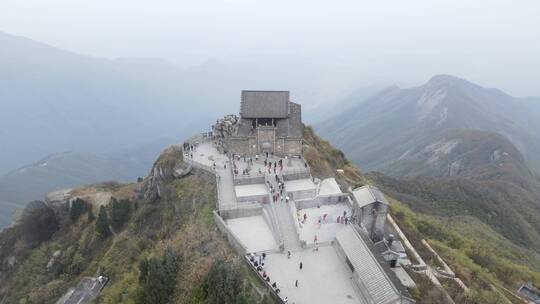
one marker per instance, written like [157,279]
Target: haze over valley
[151,152]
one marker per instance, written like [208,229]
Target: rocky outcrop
[170,165]
[225,127]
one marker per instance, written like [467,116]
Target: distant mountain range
[55,100]
[384,132]
[451,148]
[69,169]
[471,173]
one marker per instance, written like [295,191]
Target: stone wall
[238,146]
[241,211]
[322,200]
[373,218]
[233,240]
[296,175]
[263,199]
[266,135]
[293,146]
[249,180]
[302,194]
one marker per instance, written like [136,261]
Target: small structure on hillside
[87,290]
[530,293]
[269,123]
[370,207]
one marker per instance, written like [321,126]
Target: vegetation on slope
[509,209]
[489,263]
[169,250]
[163,251]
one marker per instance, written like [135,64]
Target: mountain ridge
[381,129]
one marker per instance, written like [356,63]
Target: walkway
[286,226]
[284,219]
[206,154]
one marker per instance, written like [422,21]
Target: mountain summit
[379,131]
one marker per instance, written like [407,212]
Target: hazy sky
[493,43]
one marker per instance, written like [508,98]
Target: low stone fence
[248,179]
[321,200]
[271,290]
[233,240]
[296,223]
[293,174]
[241,210]
[259,198]
[200,166]
[268,218]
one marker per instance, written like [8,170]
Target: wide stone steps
[289,233]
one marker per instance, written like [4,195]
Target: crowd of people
[189,149]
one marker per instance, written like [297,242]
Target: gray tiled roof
[374,283]
[367,195]
[292,126]
[264,104]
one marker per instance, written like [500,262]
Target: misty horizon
[339,47]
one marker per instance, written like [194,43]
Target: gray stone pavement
[324,277]
[205,153]
[284,218]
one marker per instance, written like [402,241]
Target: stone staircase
[284,219]
[287,228]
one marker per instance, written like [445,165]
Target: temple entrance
[267,147]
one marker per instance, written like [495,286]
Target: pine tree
[102,223]
[78,207]
[119,212]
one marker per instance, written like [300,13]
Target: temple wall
[293,147]
[280,146]
[238,146]
[265,135]
[373,218]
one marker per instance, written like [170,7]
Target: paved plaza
[269,201]
[253,232]
[251,190]
[326,231]
[324,278]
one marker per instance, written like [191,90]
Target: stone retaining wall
[241,210]
[321,201]
[233,240]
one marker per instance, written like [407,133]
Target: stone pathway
[286,226]
[207,155]
[284,219]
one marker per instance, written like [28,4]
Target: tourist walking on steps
[288,254]
[301,265]
[296,283]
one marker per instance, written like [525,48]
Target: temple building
[371,207]
[268,122]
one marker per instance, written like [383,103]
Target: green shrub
[119,212]
[78,207]
[157,278]
[102,223]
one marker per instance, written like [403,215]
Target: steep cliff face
[169,166]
